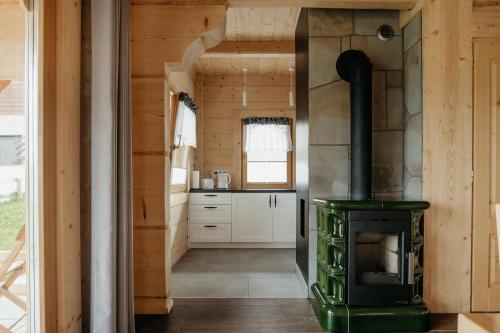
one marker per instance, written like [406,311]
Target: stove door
[378,258]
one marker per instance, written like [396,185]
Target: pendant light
[245,96]
[291,97]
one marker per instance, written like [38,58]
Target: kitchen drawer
[210,198]
[209,232]
[209,213]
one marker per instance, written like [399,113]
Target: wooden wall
[150,160]
[59,87]
[160,35]
[449,30]
[486,5]
[221,110]
[179,239]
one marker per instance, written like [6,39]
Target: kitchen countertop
[272,190]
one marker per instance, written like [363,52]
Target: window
[19,242]
[179,176]
[267,167]
[267,156]
[183,139]
[181,157]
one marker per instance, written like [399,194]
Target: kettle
[223,179]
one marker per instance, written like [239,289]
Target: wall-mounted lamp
[291,97]
[245,96]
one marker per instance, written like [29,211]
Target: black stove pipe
[355,67]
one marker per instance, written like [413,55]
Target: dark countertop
[275,190]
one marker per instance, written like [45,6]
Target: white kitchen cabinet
[252,217]
[210,213]
[210,198]
[210,217]
[267,219]
[284,217]
[210,232]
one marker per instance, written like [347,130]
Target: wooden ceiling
[247,25]
[261,24]
[233,65]
[270,21]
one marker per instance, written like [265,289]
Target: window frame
[289,169]
[34,227]
[175,152]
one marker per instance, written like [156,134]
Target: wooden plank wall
[150,162]
[179,241]
[160,34]
[48,259]
[59,85]
[68,39]
[449,30]
[486,5]
[219,127]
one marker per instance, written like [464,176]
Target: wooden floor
[249,315]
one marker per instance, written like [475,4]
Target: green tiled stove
[408,313]
[369,258]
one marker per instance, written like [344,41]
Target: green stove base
[356,319]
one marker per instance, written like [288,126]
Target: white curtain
[185,126]
[267,137]
[112,287]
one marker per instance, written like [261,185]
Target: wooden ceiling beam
[354,4]
[255,49]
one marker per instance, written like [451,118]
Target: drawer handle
[210,207]
[210,195]
[210,226]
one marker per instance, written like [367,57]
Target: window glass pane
[266,172]
[266,156]
[378,258]
[15,204]
[179,176]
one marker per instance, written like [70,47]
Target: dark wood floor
[249,315]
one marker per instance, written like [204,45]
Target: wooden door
[485,263]
[284,217]
[252,217]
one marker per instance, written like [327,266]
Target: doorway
[254,59]
[240,240]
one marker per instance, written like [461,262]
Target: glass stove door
[379,251]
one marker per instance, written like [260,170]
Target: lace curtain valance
[267,134]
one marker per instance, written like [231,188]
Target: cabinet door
[284,216]
[486,189]
[252,217]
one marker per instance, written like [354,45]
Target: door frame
[481,205]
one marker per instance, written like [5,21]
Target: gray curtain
[111,306]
